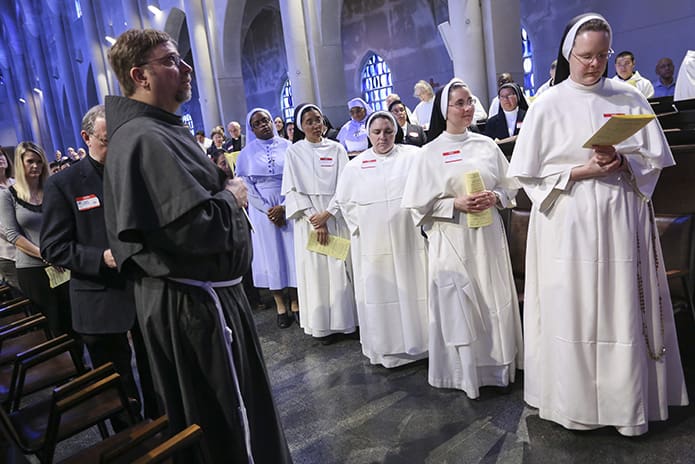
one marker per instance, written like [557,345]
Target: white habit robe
[324,284]
[474,323]
[685,82]
[388,256]
[586,361]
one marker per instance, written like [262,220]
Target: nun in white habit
[474,323]
[601,344]
[388,251]
[312,167]
[260,164]
[353,134]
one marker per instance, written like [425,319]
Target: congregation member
[601,346]
[413,134]
[20,215]
[203,141]
[388,252]
[218,142]
[665,85]
[176,227]
[626,72]
[547,84]
[474,326]
[8,270]
[289,130]
[236,140]
[503,78]
[312,166]
[423,110]
[260,165]
[507,122]
[73,236]
[353,134]
[279,126]
[392,97]
[685,82]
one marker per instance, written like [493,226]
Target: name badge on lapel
[452,156]
[326,161]
[87,202]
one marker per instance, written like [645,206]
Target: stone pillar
[299,70]
[502,33]
[467,45]
[326,57]
[201,33]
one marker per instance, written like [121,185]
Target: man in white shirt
[625,69]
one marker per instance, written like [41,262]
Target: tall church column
[467,46]
[326,55]
[296,47]
[201,32]
[502,33]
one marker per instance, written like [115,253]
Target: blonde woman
[20,215]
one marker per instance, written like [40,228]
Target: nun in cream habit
[312,167]
[388,252]
[601,345]
[474,324]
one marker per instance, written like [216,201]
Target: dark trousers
[54,303]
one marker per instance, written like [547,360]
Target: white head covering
[308,106]
[250,136]
[361,103]
[568,43]
[444,104]
[382,114]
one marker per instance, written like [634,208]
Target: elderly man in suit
[73,235]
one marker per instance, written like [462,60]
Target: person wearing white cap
[353,134]
[601,347]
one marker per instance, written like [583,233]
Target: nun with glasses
[312,167]
[510,115]
[388,252]
[260,164]
[474,323]
[601,346]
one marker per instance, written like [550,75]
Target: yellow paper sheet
[618,128]
[231,160]
[338,247]
[56,277]
[474,184]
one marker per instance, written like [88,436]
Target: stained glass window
[376,82]
[286,105]
[527,62]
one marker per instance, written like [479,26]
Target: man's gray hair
[91,116]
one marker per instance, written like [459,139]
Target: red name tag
[369,164]
[608,115]
[87,202]
[326,161]
[452,156]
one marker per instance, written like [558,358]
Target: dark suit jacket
[414,135]
[496,126]
[73,235]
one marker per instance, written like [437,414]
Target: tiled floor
[339,409]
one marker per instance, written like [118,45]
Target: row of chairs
[47,394]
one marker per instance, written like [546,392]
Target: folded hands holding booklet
[337,247]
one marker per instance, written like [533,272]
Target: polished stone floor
[337,408]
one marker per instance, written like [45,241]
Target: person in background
[474,325]
[203,141]
[388,251]
[665,85]
[279,126]
[507,123]
[601,347]
[504,78]
[217,136]
[260,165]
[547,84]
[73,236]
[423,110]
[20,215]
[626,72]
[8,271]
[392,97]
[353,134]
[236,140]
[412,133]
[289,130]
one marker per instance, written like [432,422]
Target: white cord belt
[227,338]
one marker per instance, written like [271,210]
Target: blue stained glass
[376,81]
[286,104]
[527,57]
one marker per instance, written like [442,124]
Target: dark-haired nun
[474,323]
[601,346]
